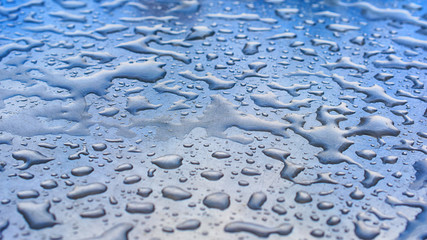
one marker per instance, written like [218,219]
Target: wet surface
[213,119]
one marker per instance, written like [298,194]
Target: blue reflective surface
[213,119]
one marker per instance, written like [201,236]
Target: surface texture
[192,119]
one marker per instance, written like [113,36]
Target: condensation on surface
[197,119]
